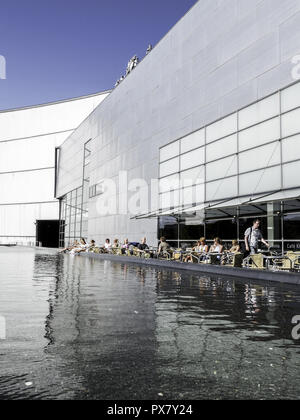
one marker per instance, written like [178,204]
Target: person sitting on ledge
[81,248]
[116,244]
[143,245]
[107,246]
[163,246]
[92,246]
[70,247]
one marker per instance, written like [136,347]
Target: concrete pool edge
[278,277]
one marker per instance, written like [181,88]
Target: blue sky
[58,49]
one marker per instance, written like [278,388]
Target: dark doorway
[47,233]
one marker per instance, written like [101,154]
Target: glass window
[169,151]
[291,174]
[291,123]
[193,141]
[221,168]
[224,188]
[222,128]
[291,226]
[290,97]
[170,167]
[193,176]
[188,196]
[170,183]
[224,229]
[291,148]
[292,206]
[260,157]
[191,159]
[170,200]
[260,181]
[191,230]
[222,148]
[259,134]
[168,227]
[261,111]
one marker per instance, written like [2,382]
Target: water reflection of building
[101,327]
[226,339]
[116,330]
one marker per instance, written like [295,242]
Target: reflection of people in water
[141,274]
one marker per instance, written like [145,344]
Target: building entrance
[47,233]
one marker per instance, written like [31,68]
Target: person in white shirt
[107,245]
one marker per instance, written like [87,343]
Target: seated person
[217,247]
[82,247]
[70,247]
[92,246]
[201,248]
[125,247]
[143,245]
[163,246]
[107,246]
[116,244]
[235,249]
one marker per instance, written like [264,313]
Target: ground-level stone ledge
[259,275]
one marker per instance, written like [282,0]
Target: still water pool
[82,329]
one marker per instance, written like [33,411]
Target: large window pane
[291,123]
[191,230]
[169,151]
[222,128]
[221,168]
[260,181]
[291,148]
[222,148]
[193,176]
[260,157]
[260,134]
[170,200]
[263,110]
[193,141]
[224,229]
[290,97]
[191,159]
[170,167]
[170,183]
[222,189]
[168,227]
[292,226]
[291,174]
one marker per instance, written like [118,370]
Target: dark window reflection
[292,226]
[224,229]
[168,227]
[189,231]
